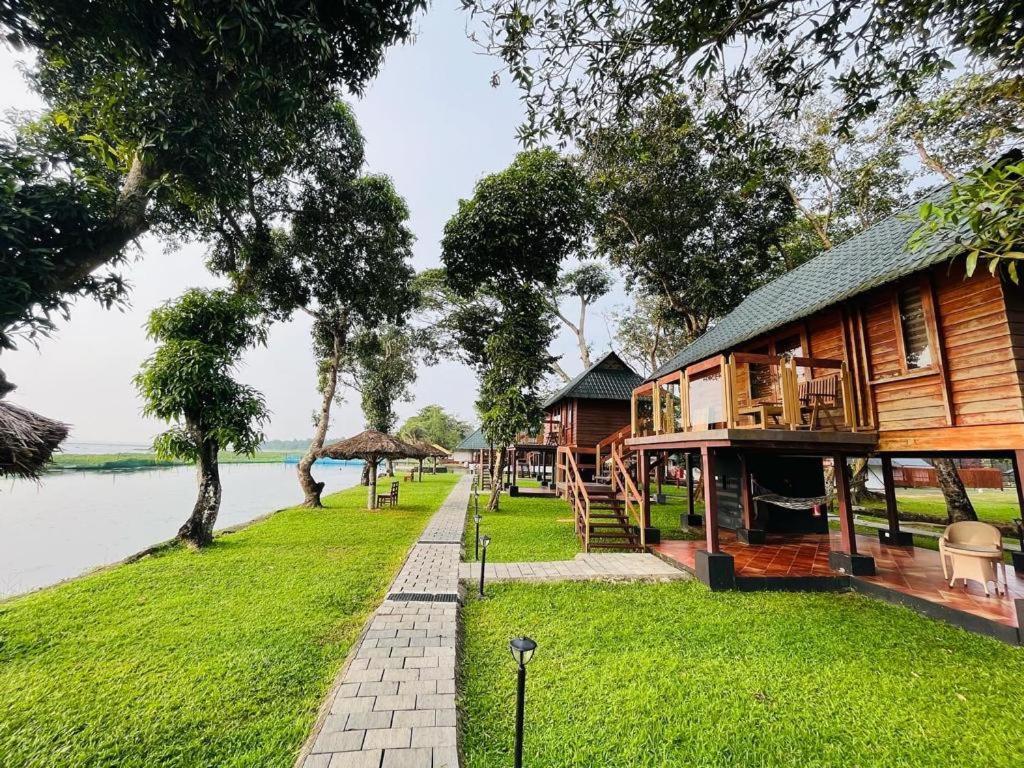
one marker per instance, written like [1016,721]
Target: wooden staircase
[600,512]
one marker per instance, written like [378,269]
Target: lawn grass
[98,461]
[991,505]
[211,658]
[667,517]
[660,675]
[525,529]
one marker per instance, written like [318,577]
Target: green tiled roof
[607,379]
[874,257]
[473,442]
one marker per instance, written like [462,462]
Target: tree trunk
[364,479]
[198,529]
[958,504]
[371,497]
[391,468]
[859,492]
[311,489]
[421,470]
[497,469]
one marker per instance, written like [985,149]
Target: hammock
[788,502]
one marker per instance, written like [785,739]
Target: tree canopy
[157,112]
[686,218]
[435,425]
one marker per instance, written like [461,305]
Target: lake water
[71,522]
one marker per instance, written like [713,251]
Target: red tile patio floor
[910,570]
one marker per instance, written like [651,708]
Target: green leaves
[983,219]
[188,378]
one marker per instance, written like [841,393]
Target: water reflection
[74,521]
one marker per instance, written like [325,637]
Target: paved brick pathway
[620,566]
[393,705]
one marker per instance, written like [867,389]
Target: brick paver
[393,705]
[620,566]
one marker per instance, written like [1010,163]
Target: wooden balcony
[754,396]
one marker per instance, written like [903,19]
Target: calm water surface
[72,522]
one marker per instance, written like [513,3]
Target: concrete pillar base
[716,570]
[692,521]
[1018,563]
[852,565]
[899,539]
[751,536]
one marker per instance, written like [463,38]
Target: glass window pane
[915,330]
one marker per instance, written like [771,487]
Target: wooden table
[764,411]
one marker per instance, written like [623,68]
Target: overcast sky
[432,122]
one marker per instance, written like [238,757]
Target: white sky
[431,121]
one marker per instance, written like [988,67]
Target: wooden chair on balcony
[819,397]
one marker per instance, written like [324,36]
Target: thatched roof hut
[27,440]
[371,446]
[427,450]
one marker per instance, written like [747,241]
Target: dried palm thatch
[27,441]
[369,445]
[428,450]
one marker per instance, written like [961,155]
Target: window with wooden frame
[917,345]
[914,316]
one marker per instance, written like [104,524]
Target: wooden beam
[689,483]
[645,486]
[746,500]
[891,511]
[1018,472]
[710,499]
[848,537]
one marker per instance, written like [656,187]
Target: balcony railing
[746,390]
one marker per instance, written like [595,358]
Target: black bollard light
[483,561]
[476,543]
[522,649]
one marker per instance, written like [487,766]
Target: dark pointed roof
[473,442]
[607,379]
[872,258]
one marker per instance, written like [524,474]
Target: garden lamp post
[522,649]
[483,561]
[476,542]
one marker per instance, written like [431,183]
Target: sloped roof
[473,442]
[607,379]
[869,259]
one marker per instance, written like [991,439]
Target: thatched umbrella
[371,446]
[27,440]
[428,450]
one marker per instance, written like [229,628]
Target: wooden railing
[623,485]
[575,493]
[614,439]
[751,391]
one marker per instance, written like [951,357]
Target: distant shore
[107,461]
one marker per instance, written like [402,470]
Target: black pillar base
[513,490]
[652,535]
[1018,562]
[897,539]
[751,536]
[659,498]
[716,570]
[693,521]
[852,565]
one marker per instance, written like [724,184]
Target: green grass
[211,658]
[653,676]
[667,517]
[98,461]
[525,529]
[991,505]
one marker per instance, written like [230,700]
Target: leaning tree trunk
[958,503]
[364,478]
[198,529]
[311,488]
[498,468]
[391,468]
